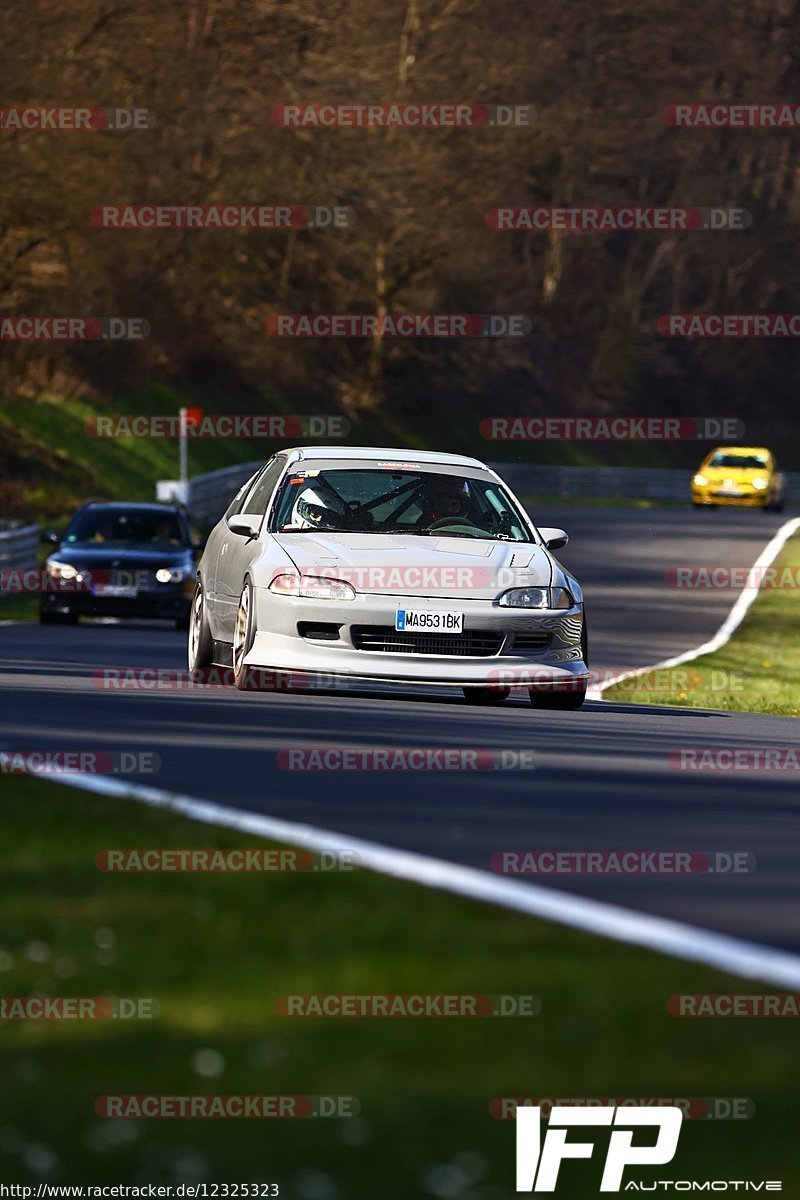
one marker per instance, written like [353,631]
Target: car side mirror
[246,524]
[50,538]
[554,539]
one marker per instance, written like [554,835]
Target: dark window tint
[260,493]
[127,527]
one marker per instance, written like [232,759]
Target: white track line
[736,956]
[731,623]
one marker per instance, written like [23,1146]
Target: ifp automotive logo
[538,1165]
[538,1162]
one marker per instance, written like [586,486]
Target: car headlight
[312,587]
[759,483]
[170,574]
[536,597]
[61,570]
[700,479]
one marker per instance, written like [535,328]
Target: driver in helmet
[316,508]
[444,496]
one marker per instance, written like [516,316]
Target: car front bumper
[748,499]
[278,646]
[171,601]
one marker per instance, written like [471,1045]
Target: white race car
[400,566]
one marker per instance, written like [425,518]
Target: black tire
[57,618]
[486,695]
[567,699]
[201,643]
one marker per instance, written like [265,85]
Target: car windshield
[744,462]
[100,526]
[384,500]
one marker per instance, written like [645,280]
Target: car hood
[82,554]
[408,565]
[735,474]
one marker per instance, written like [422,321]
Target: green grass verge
[19,608]
[757,671]
[49,463]
[216,950]
[76,466]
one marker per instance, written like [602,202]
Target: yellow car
[741,475]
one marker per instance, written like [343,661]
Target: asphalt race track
[603,780]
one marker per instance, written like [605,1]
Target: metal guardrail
[670,484]
[209,495]
[19,546]
[596,483]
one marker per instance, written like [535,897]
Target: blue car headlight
[171,574]
[63,572]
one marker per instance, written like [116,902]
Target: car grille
[532,640]
[383,639]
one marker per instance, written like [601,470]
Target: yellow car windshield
[741,462]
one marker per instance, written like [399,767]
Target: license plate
[729,492]
[110,589]
[418,620]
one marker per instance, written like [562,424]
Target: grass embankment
[49,463]
[761,662]
[54,464]
[215,951]
[57,464]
